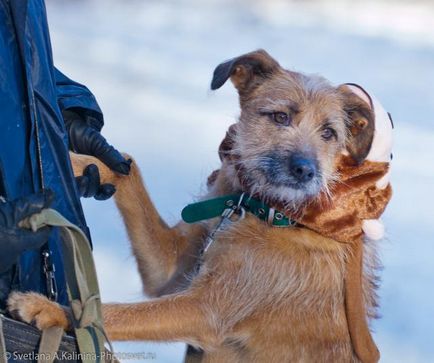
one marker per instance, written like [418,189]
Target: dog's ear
[245,71]
[360,120]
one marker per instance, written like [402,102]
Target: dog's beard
[277,187]
[287,193]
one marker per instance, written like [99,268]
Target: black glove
[84,139]
[89,184]
[15,240]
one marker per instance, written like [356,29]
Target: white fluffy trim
[381,151]
[373,228]
[381,148]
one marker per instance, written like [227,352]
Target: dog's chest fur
[280,287]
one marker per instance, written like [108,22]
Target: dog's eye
[281,118]
[328,133]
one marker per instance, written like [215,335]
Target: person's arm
[75,97]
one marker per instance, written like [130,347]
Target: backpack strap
[82,284]
[3,354]
[49,344]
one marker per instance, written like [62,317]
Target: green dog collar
[212,208]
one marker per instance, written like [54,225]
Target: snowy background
[150,63]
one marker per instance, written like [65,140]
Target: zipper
[38,141]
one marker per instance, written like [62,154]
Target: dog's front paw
[80,162]
[36,309]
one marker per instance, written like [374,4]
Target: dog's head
[292,127]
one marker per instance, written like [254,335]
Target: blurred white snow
[150,63]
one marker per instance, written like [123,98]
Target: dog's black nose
[301,168]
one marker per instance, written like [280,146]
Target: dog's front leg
[176,318]
[163,254]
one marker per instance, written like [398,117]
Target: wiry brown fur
[263,294]
[317,103]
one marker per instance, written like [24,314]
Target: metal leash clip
[226,218]
[50,278]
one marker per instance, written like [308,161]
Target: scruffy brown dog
[262,293]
